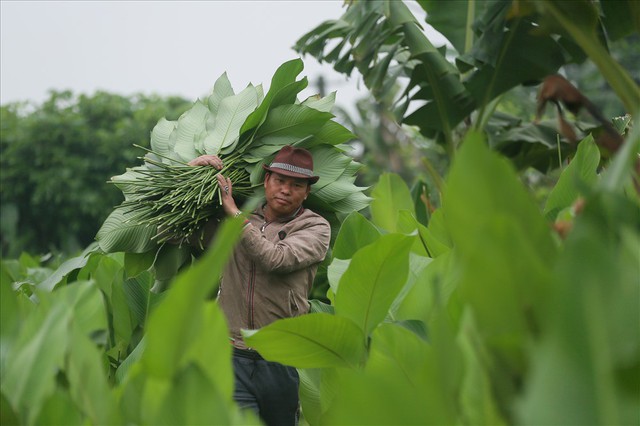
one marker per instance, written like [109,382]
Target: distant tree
[56,159]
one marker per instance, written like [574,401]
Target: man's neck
[269,216]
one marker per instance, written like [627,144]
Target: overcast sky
[165,47]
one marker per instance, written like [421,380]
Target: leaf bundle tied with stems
[178,199]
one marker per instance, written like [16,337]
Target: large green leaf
[163,137]
[232,113]
[335,271]
[477,399]
[331,133]
[375,276]
[131,360]
[355,232]
[310,394]
[199,389]
[88,385]
[169,259]
[621,169]
[329,164]
[12,314]
[58,409]
[522,56]
[123,181]
[454,20]
[66,268]
[108,275]
[190,125]
[434,246]
[284,75]
[581,170]
[222,89]
[450,100]
[324,104]
[139,297]
[287,95]
[620,18]
[433,284]
[45,341]
[177,323]
[310,341]
[338,190]
[354,202]
[504,243]
[417,265]
[186,347]
[584,366]
[390,195]
[135,263]
[438,228]
[193,400]
[119,233]
[401,384]
[290,121]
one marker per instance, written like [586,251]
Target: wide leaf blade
[390,196]
[297,121]
[190,126]
[118,233]
[582,169]
[355,232]
[232,113]
[310,341]
[374,278]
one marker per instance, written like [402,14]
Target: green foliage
[501,50]
[581,171]
[56,159]
[505,324]
[56,341]
[477,312]
[519,329]
[390,196]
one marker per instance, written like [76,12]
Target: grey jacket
[271,270]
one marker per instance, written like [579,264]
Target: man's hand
[207,160]
[226,191]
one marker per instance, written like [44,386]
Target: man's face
[284,194]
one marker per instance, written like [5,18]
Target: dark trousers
[268,388]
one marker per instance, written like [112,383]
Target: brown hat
[294,162]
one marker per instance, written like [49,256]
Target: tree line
[57,157]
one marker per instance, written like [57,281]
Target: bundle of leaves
[177,199]
[165,199]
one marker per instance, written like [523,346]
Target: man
[269,277]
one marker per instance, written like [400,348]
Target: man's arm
[297,250]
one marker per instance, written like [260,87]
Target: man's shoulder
[312,217]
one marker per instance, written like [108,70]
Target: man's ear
[267,175]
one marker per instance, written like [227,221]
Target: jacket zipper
[250,292]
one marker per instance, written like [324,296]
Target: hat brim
[311,179]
